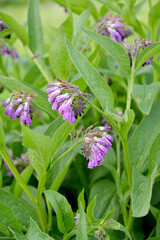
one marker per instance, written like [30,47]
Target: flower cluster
[134,49]
[97,145]
[112,27]
[18,105]
[6,51]
[66,100]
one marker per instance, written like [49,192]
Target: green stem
[130,86]
[130,219]
[17,176]
[86,45]
[150,4]
[64,154]
[41,183]
[39,62]
[69,235]
[154,39]
[49,209]
[118,184]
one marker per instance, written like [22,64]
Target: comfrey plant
[105,183]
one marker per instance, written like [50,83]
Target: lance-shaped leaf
[115,49]
[154,155]
[154,13]
[63,210]
[35,27]
[119,227]
[81,228]
[15,27]
[92,77]
[2,136]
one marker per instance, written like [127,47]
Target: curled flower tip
[112,27]
[97,145]
[66,100]
[135,49]
[18,105]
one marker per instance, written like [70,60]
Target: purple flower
[18,105]
[66,103]
[112,27]
[97,145]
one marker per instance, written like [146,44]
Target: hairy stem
[130,86]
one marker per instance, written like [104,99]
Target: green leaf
[26,174]
[143,137]
[78,6]
[92,77]
[15,27]
[54,126]
[81,228]
[142,192]
[145,95]
[8,218]
[39,143]
[40,101]
[154,238]
[111,5]
[34,232]
[22,210]
[35,27]
[58,55]
[106,198]
[115,49]
[90,209]
[63,210]
[146,54]
[2,136]
[126,122]
[19,236]
[154,155]
[154,13]
[117,226]
[81,200]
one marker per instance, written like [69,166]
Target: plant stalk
[130,86]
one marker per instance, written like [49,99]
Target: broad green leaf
[94,80]
[142,192]
[115,49]
[34,232]
[145,95]
[19,236]
[81,200]
[15,27]
[21,209]
[117,226]
[155,212]
[143,137]
[106,198]
[81,228]
[154,155]
[154,13]
[63,210]
[90,209]
[111,5]
[146,54]
[58,55]
[26,174]
[36,161]
[39,143]
[8,218]
[35,27]
[40,101]
[54,126]
[2,136]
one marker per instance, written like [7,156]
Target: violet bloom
[18,105]
[112,27]
[98,143]
[66,103]
[135,49]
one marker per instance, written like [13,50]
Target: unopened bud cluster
[112,27]
[66,99]
[135,48]
[100,234]
[98,143]
[18,105]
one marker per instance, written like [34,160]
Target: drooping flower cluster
[134,49]
[66,100]
[20,163]
[18,105]
[8,51]
[112,27]
[98,143]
